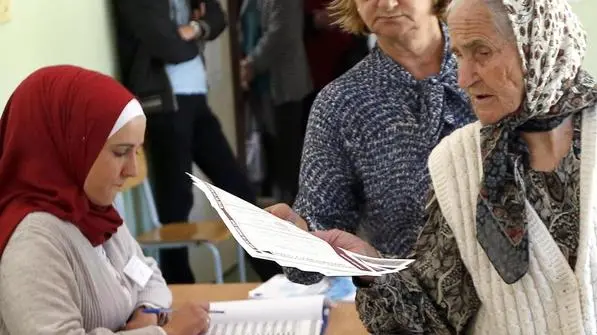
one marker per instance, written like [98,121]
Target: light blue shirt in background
[188,77]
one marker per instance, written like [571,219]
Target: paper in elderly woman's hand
[266,236]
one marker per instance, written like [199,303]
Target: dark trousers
[176,140]
[283,149]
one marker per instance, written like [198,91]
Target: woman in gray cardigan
[68,142]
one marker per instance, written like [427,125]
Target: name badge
[138,271]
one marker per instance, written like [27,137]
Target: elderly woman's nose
[466,74]
[387,5]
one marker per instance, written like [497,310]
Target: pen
[157,310]
[169,310]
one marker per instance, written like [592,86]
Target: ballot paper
[266,236]
[296,316]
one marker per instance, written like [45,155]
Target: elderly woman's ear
[490,68]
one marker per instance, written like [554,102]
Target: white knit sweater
[551,298]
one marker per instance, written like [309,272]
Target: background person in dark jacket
[275,67]
[160,44]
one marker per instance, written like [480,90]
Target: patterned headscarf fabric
[552,44]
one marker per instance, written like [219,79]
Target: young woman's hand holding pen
[190,319]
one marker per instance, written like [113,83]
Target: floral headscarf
[552,44]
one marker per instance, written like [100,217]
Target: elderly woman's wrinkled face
[115,163]
[489,66]
[394,19]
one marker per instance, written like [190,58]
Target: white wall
[586,10]
[54,32]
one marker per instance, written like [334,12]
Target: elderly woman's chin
[489,110]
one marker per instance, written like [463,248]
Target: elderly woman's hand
[335,237]
[284,212]
[341,239]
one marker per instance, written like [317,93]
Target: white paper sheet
[265,236]
[297,316]
[303,327]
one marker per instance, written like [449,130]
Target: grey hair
[498,12]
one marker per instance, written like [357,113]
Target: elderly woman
[68,142]
[510,240]
[371,130]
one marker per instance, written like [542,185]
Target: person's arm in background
[316,21]
[211,18]
[277,32]
[150,22]
[327,191]
[434,295]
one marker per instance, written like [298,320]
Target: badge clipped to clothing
[138,271]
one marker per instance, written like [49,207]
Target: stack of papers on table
[280,287]
[297,316]
[265,236]
[335,289]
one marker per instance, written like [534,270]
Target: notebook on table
[285,316]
